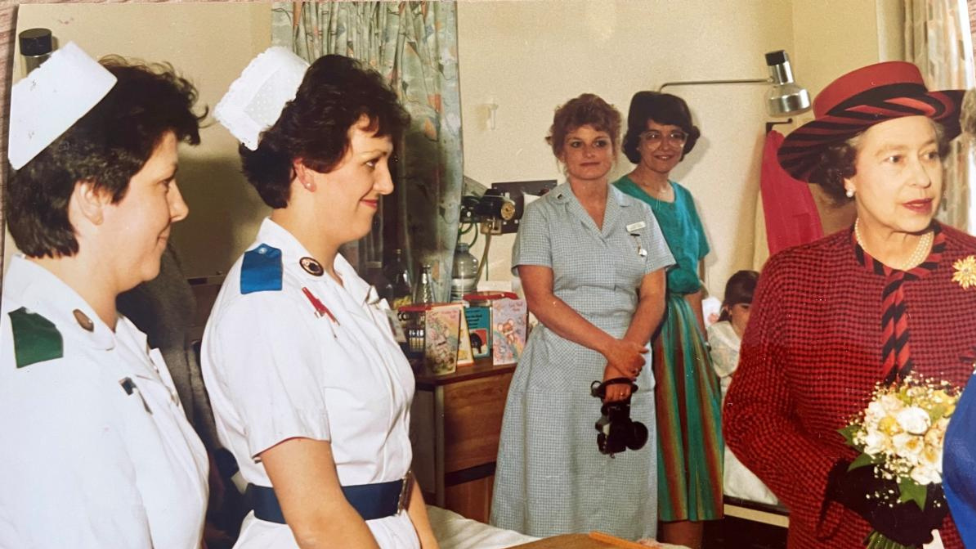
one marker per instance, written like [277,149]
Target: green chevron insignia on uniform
[36,339]
[261,271]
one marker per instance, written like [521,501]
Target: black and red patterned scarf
[896,356]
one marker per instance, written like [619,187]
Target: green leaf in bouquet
[909,490]
[864,460]
[848,433]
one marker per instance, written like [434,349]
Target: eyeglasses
[675,137]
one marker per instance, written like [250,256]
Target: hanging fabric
[788,207]
[939,40]
[414,46]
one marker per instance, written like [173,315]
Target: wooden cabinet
[454,427]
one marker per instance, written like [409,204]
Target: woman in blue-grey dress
[592,262]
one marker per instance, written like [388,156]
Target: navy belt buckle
[405,492]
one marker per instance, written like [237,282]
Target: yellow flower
[965,273]
[889,425]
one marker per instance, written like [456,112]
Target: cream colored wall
[209,44]
[529,57]
[832,37]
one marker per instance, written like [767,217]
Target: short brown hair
[663,108]
[587,109]
[336,93]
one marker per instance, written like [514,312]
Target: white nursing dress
[276,370]
[97,450]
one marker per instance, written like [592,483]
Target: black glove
[903,523]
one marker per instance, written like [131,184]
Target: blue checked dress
[551,477]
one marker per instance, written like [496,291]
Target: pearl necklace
[917,257]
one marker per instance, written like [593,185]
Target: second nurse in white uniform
[310,390]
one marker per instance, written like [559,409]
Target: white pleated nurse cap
[255,100]
[51,99]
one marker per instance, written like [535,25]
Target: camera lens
[638,436]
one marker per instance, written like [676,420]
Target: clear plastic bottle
[463,273]
[425,287]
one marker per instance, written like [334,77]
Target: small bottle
[399,276]
[463,273]
[425,288]
[36,46]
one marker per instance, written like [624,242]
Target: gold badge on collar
[311,266]
[83,320]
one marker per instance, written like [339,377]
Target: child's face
[740,317]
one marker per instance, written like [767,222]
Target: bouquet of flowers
[901,435]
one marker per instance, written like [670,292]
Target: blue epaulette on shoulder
[261,270]
[36,339]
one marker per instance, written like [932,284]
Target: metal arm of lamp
[708,82]
[784,98]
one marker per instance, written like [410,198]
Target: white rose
[924,475]
[874,412]
[873,442]
[913,420]
[932,457]
[891,403]
[908,446]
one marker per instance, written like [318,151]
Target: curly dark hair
[107,146]
[663,108]
[838,162]
[335,94]
[587,109]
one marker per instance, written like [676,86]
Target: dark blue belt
[371,501]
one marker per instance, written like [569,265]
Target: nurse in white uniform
[97,451]
[310,390]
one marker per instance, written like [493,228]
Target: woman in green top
[688,397]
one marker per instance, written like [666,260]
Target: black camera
[617,432]
[491,205]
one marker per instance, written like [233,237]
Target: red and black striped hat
[860,99]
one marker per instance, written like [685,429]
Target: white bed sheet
[742,483]
[456,532]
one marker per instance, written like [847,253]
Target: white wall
[209,44]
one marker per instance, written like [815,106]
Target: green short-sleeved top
[682,230]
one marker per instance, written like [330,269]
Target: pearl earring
[850,193]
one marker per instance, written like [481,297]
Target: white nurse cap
[51,99]
[255,100]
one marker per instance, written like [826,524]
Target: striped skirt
[689,422]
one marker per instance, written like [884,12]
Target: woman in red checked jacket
[866,305]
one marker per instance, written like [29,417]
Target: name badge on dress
[635,226]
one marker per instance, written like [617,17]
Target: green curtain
[414,46]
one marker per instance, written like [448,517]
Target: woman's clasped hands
[624,359]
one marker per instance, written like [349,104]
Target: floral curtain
[414,46]
[939,39]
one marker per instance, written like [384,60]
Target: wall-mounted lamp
[784,98]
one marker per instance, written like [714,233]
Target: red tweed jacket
[810,358]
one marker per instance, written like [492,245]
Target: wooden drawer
[473,412]
[471,499]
